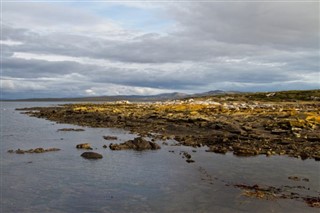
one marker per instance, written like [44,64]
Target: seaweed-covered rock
[91,155]
[36,150]
[84,146]
[138,144]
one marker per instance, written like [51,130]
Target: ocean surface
[132,181]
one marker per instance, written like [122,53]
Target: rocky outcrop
[91,155]
[36,150]
[138,144]
[245,127]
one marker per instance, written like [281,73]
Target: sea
[134,181]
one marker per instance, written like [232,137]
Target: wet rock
[190,161]
[186,155]
[253,124]
[244,151]
[52,150]
[36,150]
[91,155]
[294,178]
[84,146]
[218,149]
[138,144]
[70,129]
[313,137]
[19,151]
[105,146]
[109,137]
[312,201]
[279,131]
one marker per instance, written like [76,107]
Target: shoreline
[245,128]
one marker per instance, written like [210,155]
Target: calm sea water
[130,181]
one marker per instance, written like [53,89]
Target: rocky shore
[246,128]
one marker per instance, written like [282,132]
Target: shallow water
[130,181]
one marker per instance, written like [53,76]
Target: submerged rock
[91,155]
[70,129]
[108,137]
[138,144]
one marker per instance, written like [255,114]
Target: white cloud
[10,42]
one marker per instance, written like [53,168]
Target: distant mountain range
[159,97]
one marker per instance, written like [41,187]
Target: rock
[279,131]
[70,129]
[84,146]
[105,146]
[187,155]
[108,137]
[138,144]
[38,150]
[218,149]
[190,161]
[19,151]
[244,151]
[91,155]
[52,150]
[294,178]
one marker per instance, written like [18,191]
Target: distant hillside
[279,96]
[217,95]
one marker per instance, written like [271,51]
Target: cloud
[275,24]
[92,49]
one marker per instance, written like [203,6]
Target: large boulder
[91,155]
[138,144]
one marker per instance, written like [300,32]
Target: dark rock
[295,178]
[52,150]
[138,144]
[186,155]
[312,201]
[91,155]
[19,151]
[279,131]
[108,137]
[70,129]
[36,150]
[218,149]
[244,151]
[190,161]
[105,146]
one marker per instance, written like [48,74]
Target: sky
[94,48]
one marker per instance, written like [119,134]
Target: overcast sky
[83,48]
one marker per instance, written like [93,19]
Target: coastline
[246,128]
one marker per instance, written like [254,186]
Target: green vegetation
[282,96]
